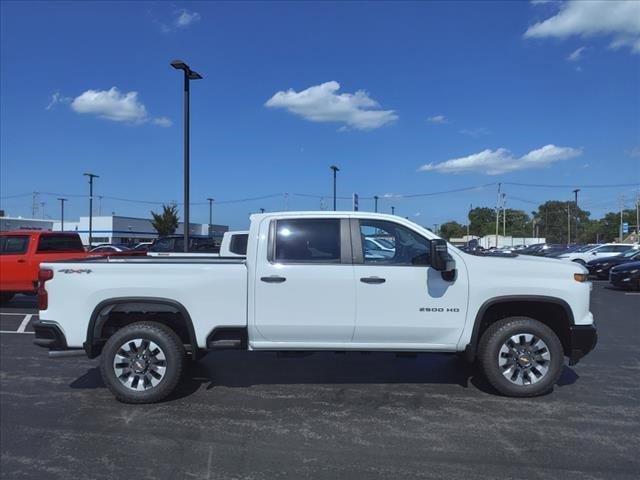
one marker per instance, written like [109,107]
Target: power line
[536,185]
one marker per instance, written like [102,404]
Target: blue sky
[474,93]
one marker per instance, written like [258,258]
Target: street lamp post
[335,171]
[210,200]
[393,210]
[375,198]
[91,177]
[62,200]
[575,193]
[188,76]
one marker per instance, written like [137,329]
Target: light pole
[375,198]
[335,171]
[575,193]
[393,210]
[262,210]
[91,177]
[210,200]
[188,76]
[62,200]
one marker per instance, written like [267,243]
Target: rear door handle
[273,279]
[22,260]
[373,280]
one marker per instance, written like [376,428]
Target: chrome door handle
[273,279]
[373,280]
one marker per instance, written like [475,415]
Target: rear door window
[14,244]
[59,243]
[314,240]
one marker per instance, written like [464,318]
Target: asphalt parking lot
[260,416]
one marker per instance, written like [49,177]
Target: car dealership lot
[258,415]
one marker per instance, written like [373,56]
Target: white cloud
[475,132]
[496,162]
[633,152]
[56,98]
[322,103]
[186,18]
[576,54]
[619,19]
[162,121]
[114,105]
[438,119]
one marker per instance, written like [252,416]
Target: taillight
[43,297]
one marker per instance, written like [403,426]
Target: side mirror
[439,255]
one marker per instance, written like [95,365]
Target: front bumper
[582,339]
[49,335]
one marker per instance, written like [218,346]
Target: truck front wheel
[142,362]
[521,357]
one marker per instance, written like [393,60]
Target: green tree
[452,229]
[554,217]
[608,228]
[518,223]
[166,222]
[482,221]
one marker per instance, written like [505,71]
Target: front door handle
[22,260]
[373,280]
[273,279]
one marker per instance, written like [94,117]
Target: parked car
[142,247]
[22,252]
[306,285]
[626,276]
[109,249]
[175,243]
[605,250]
[600,267]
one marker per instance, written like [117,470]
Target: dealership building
[116,230]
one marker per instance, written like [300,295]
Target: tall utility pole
[621,212]
[568,223]
[62,200]
[34,204]
[504,215]
[435,228]
[188,76]
[393,210]
[42,204]
[335,171]
[469,223]
[210,200]
[498,213]
[91,177]
[375,199]
[637,216]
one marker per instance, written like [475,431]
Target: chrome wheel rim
[524,359]
[139,364]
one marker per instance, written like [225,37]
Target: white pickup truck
[309,283]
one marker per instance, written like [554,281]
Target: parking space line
[13,313]
[632,293]
[21,333]
[25,322]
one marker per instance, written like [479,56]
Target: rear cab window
[238,244]
[14,244]
[59,243]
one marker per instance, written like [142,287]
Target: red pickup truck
[21,253]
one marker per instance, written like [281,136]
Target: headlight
[580,277]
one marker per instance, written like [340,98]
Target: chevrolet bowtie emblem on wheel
[75,270]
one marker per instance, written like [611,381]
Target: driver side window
[388,243]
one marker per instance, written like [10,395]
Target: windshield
[630,253]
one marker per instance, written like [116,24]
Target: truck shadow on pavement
[245,369]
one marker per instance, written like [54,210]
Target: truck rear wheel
[521,357]
[142,362]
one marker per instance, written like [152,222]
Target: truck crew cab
[309,283]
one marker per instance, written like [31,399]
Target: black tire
[6,297]
[171,347]
[497,336]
